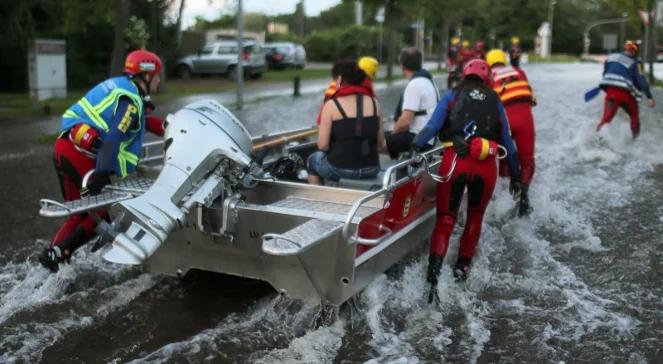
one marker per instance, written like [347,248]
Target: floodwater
[580,280]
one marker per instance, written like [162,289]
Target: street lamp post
[240,49]
[622,29]
[551,17]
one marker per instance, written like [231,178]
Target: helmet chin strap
[144,89]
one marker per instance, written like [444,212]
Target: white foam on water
[19,155]
[26,342]
[255,328]
[579,174]
[28,285]
[316,346]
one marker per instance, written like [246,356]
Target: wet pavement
[577,281]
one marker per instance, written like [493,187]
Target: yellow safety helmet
[369,65]
[466,43]
[495,56]
[515,40]
[455,40]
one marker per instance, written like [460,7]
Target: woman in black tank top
[350,132]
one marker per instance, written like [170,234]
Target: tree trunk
[121,21]
[179,22]
[154,27]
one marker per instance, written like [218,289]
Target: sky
[211,9]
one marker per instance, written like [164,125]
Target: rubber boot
[74,241]
[524,207]
[462,268]
[51,257]
[434,266]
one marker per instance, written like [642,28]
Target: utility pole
[622,29]
[551,17]
[240,50]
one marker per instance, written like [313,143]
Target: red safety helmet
[631,46]
[477,67]
[141,61]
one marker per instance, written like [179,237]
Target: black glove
[96,183]
[515,187]
[461,148]
[148,106]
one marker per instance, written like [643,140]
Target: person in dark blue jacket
[470,121]
[624,84]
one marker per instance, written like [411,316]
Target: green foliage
[282,37]
[340,43]
[224,22]
[136,35]
[252,21]
[80,16]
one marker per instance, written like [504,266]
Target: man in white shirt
[415,106]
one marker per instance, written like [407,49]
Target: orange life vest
[511,85]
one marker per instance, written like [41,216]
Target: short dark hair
[410,58]
[349,71]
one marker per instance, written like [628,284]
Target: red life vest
[511,85]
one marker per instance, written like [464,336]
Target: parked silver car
[221,58]
[285,54]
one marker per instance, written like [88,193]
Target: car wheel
[184,72]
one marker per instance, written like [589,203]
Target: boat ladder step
[319,209]
[119,191]
[51,208]
[299,238]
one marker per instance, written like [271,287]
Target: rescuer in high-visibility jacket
[624,84]
[513,88]
[102,135]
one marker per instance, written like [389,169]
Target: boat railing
[388,186]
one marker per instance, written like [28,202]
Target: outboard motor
[207,155]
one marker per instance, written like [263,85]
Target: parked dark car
[221,58]
[284,55]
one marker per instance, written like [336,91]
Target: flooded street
[580,280]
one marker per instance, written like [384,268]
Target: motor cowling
[208,151]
